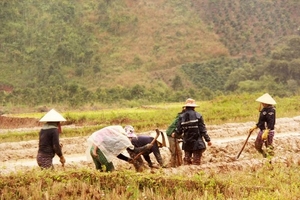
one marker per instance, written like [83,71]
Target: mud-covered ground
[227,141]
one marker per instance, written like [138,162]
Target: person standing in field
[191,127]
[142,140]
[110,142]
[176,152]
[266,125]
[49,145]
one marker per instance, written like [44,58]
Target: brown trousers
[193,157]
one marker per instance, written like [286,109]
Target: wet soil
[227,141]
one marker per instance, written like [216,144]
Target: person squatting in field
[142,140]
[192,129]
[176,152]
[110,142]
[266,125]
[49,145]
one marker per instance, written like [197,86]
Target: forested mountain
[79,52]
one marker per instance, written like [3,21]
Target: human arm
[55,142]
[178,130]
[172,126]
[57,146]
[253,128]
[95,148]
[62,158]
[271,118]
[203,130]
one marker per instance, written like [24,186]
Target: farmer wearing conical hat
[266,125]
[191,126]
[49,145]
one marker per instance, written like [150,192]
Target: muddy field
[227,140]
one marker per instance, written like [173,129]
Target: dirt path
[227,141]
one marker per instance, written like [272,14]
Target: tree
[177,83]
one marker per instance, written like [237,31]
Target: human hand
[252,129]
[94,151]
[62,160]
[209,143]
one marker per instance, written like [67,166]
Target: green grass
[223,109]
[270,181]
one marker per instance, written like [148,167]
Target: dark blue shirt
[142,140]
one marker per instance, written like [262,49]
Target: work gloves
[252,129]
[265,134]
[62,160]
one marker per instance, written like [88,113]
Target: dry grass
[270,181]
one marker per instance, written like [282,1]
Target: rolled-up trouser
[176,157]
[45,161]
[100,161]
[259,142]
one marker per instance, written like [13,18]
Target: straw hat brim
[267,99]
[190,105]
[52,116]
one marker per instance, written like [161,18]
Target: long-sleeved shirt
[267,118]
[49,141]
[142,140]
[191,126]
[171,129]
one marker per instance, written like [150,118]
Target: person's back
[49,141]
[192,128]
[141,140]
[110,142]
[49,144]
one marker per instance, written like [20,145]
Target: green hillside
[102,51]
[250,27]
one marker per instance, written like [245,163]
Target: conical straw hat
[267,99]
[53,116]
